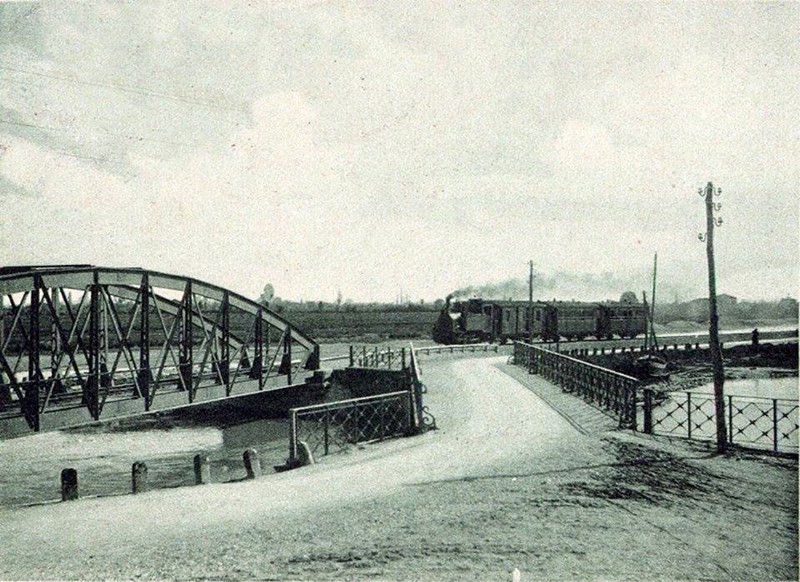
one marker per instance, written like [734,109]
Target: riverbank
[506,483]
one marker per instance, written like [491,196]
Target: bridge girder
[172,333]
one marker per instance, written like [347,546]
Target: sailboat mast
[653,303]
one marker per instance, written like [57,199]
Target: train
[488,320]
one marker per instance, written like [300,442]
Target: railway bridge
[81,343]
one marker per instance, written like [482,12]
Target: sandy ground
[506,483]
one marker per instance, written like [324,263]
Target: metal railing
[396,358]
[388,358]
[768,423]
[458,349]
[606,388]
[424,420]
[764,423]
[334,426]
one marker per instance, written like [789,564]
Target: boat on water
[653,366]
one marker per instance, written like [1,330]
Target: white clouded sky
[367,147]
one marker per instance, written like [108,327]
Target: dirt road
[508,482]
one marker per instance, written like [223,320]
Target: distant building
[697,309]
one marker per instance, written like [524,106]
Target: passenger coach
[477,320]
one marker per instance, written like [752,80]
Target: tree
[266,295]
[629,297]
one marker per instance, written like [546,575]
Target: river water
[30,466]
[781,388]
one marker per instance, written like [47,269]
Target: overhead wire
[123,88]
[110,133]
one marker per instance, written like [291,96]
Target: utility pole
[530,302]
[713,320]
[652,332]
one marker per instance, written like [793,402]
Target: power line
[66,130]
[125,89]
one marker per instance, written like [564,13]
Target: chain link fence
[334,426]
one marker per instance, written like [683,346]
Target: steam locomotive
[479,320]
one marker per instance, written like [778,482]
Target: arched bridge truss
[103,342]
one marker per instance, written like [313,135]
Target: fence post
[202,469]
[292,436]
[352,358]
[326,423]
[355,422]
[69,485]
[403,356]
[648,411]
[410,414]
[252,464]
[139,477]
[730,419]
[689,415]
[775,425]
[382,404]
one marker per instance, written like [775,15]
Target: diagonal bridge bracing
[101,342]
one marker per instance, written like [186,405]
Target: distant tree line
[349,306]
[729,308]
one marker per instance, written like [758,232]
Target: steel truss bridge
[80,343]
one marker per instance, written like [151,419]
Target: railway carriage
[477,320]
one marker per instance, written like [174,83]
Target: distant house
[697,309]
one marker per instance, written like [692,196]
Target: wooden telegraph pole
[530,302]
[713,320]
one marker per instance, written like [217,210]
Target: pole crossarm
[84,336]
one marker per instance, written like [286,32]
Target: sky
[373,148]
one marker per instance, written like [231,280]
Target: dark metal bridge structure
[80,343]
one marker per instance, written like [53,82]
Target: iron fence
[390,359]
[603,387]
[424,420]
[458,349]
[334,426]
[768,423]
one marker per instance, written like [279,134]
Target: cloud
[326,146]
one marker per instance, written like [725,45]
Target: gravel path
[506,483]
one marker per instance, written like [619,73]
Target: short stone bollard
[202,469]
[304,455]
[252,464]
[69,485]
[139,477]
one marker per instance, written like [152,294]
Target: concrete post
[139,477]
[304,454]
[648,411]
[202,469]
[69,485]
[252,464]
